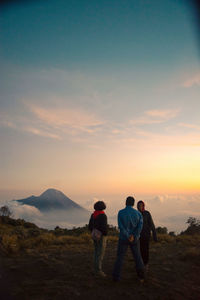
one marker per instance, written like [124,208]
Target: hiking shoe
[141,281]
[147,267]
[101,274]
[116,279]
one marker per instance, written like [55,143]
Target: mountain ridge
[51,199]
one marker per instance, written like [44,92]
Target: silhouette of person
[130,223]
[145,234]
[98,220]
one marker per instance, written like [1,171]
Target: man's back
[130,222]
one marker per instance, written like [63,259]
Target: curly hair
[99,205]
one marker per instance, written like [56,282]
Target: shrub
[188,240]
[86,238]
[161,230]
[10,243]
[5,211]
[40,241]
[32,232]
[193,227]
[172,233]
[165,238]
[113,238]
[20,232]
[68,240]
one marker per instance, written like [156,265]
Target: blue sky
[100,98]
[90,34]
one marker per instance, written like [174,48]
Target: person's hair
[140,202]
[130,201]
[99,205]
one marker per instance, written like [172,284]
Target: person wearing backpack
[130,225]
[99,229]
[148,227]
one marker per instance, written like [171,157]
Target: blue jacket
[130,222]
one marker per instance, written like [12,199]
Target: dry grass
[10,244]
[188,240]
[165,238]
[192,254]
[16,239]
[14,243]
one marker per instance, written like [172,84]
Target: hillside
[58,264]
[51,199]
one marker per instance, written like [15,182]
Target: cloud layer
[171,211]
[193,81]
[155,117]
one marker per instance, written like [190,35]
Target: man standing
[130,224]
[145,234]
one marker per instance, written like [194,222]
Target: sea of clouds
[171,211]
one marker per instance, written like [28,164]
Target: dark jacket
[148,226]
[99,223]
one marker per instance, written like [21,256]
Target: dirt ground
[66,273]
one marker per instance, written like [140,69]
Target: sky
[100,99]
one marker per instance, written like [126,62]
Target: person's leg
[97,255]
[102,251]
[146,252]
[135,248]
[121,251]
[144,249]
[96,246]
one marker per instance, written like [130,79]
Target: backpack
[96,234]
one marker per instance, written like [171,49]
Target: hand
[131,238]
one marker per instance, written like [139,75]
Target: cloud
[17,121]
[75,118]
[165,115]
[89,204]
[26,212]
[51,219]
[158,200]
[155,117]
[171,211]
[194,81]
[51,122]
[5,122]
[39,132]
[191,126]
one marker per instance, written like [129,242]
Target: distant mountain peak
[51,199]
[51,193]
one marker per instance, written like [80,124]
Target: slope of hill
[51,199]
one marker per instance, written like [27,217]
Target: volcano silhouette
[51,199]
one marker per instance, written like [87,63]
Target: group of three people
[135,231]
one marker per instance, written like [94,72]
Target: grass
[41,265]
[192,255]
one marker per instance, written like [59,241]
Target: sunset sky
[99,98]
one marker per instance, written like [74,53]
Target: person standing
[98,220]
[148,227]
[130,223]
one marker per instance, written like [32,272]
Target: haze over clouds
[101,101]
[171,211]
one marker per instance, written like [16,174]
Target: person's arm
[121,226]
[91,223]
[139,227]
[102,224]
[153,229]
